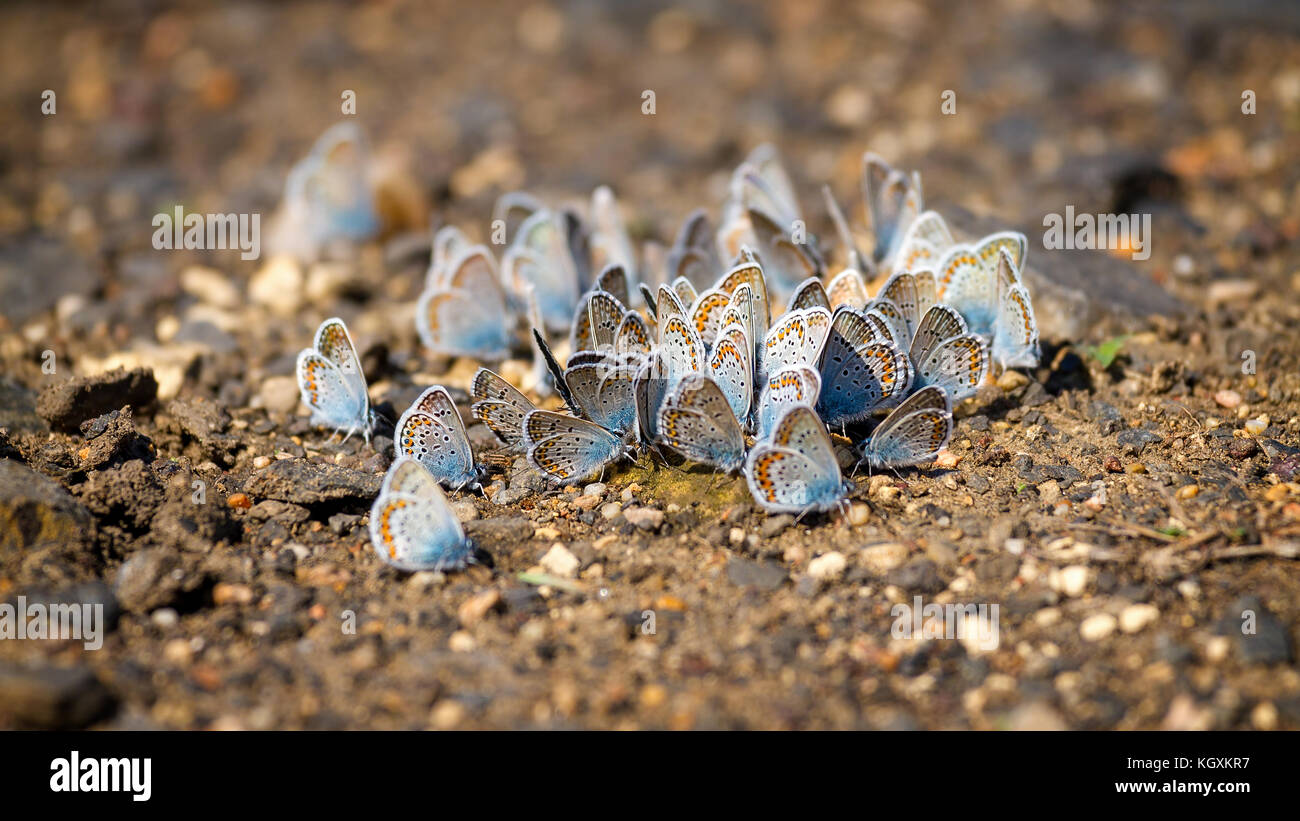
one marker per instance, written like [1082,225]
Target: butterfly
[540,254]
[411,525]
[856,259]
[707,314]
[500,406]
[926,240]
[967,277]
[327,195]
[796,471]
[432,432]
[694,255]
[860,371]
[465,315]
[696,420]
[785,389]
[331,382]
[759,186]
[810,293]
[796,339]
[730,368]
[847,288]
[610,244]
[943,353]
[913,433]
[603,390]
[565,449]
[893,201]
[1015,336]
[912,294]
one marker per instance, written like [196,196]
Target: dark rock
[1135,440]
[150,579]
[35,511]
[197,528]
[762,575]
[1242,448]
[917,576]
[1269,643]
[51,698]
[127,496]
[1035,395]
[113,439]
[310,483]
[979,422]
[18,410]
[341,523]
[977,483]
[65,405]
[1107,416]
[774,525]
[282,511]
[205,423]
[500,530]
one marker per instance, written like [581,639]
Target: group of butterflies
[707,369]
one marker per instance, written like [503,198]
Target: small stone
[1264,716]
[1135,440]
[560,562]
[35,510]
[859,514]
[165,618]
[461,642]
[278,394]
[1011,380]
[947,460]
[1072,580]
[1113,465]
[1228,399]
[645,518]
[1036,716]
[882,558]
[278,285]
[225,593]
[827,566]
[1187,492]
[1242,448]
[447,714]
[210,286]
[1256,426]
[1135,617]
[586,503]
[596,489]
[546,534]
[762,575]
[611,510]
[1097,627]
[774,525]
[1049,492]
[889,493]
[736,536]
[472,611]
[239,501]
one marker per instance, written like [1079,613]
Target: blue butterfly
[943,353]
[432,432]
[540,256]
[1015,336]
[913,433]
[860,371]
[331,382]
[968,278]
[500,406]
[327,196]
[566,449]
[603,391]
[796,471]
[785,389]
[465,315]
[411,525]
[696,420]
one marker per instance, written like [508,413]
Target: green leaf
[1106,352]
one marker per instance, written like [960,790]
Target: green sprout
[1106,352]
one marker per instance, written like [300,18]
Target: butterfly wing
[729,365]
[324,389]
[411,525]
[565,449]
[697,421]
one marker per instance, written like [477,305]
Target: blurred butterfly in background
[540,255]
[1015,334]
[411,525]
[913,433]
[331,382]
[796,470]
[694,254]
[696,420]
[327,196]
[432,432]
[465,314]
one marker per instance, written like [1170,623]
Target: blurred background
[1100,105]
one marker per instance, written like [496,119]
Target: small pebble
[646,518]
[611,510]
[1137,616]
[1097,627]
[1228,399]
[595,489]
[560,562]
[827,566]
